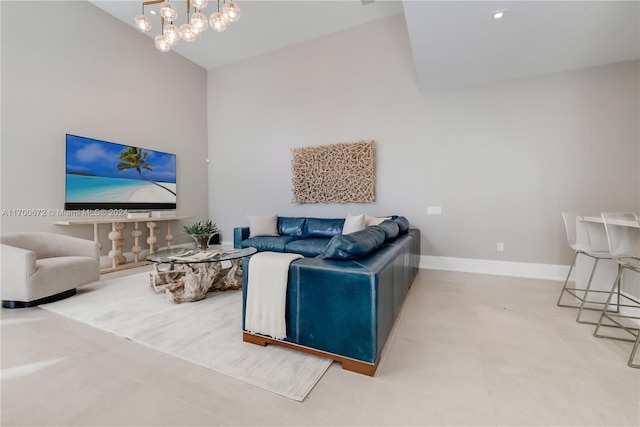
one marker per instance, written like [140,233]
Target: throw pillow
[391,230]
[402,222]
[353,223]
[356,245]
[372,220]
[265,225]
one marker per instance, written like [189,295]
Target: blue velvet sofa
[344,295]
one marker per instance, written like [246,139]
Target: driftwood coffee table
[186,275]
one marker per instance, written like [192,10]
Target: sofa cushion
[323,227]
[353,223]
[268,243]
[288,226]
[311,247]
[391,230]
[403,223]
[265,225]
[355,245]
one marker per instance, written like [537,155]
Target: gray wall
[79,70]
[502,161]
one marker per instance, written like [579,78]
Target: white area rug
[207,333]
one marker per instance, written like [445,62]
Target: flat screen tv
[106,175]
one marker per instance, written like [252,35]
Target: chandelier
[195,24]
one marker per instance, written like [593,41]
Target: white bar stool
[574,223]
[623,235]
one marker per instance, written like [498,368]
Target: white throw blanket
[267,293]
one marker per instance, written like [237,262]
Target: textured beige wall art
[336,173]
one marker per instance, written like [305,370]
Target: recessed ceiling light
[153,12]
[498,14]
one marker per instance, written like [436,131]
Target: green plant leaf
[201,227]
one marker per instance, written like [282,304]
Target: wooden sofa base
[347,363]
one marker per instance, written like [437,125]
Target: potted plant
[201,231]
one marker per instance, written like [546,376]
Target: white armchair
[39,267]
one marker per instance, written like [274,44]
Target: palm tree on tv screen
[133,157]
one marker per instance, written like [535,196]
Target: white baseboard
[499,268]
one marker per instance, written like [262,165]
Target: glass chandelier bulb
[218,22]
[168,12]
[187,33]
[142,23]
[199,4]
[171,33]
[232,11]
[162,44]
[199,22]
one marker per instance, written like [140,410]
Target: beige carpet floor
[207,333]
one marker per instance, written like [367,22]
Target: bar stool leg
[564,287]
[616,284]
[586,293]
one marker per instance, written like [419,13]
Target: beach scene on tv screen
[105,172]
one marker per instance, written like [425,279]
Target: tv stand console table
[118,260]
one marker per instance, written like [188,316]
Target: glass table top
[215,253]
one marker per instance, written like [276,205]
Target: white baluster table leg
[152,240]
[117,242]
[169,237]
[96,237]
[136,249]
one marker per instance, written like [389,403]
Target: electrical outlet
[500,247]
[434,210]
